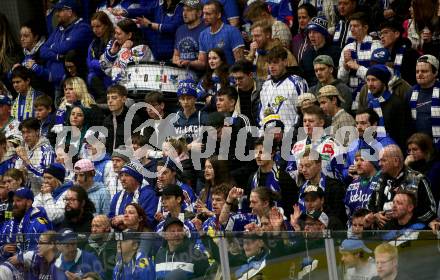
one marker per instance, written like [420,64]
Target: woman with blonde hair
[75,93]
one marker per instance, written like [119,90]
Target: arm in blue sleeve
[149,204]
[236,39]
[146,9]
[42,72]
[78,39]
[174,22]
[112,213]
[46,52]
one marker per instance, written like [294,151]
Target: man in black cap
[192,262]
[171,201]
[386,105]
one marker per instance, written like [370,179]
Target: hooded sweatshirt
[100,196]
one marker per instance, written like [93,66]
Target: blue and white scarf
[374,103]
[272,179]
[435,108]
[398,60]
[362,55]
[342,29]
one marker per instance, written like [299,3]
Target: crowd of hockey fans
[293,116]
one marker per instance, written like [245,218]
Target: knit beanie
[132,170]
[57,170]
[319,24]
[381,72]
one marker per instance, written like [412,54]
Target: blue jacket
[191,127]
[76,36]
[140,267]
[96,49]
[84,262]
[146,197]
[34,222]
[100,168]
[161,42]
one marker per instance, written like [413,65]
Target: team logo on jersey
[143,262]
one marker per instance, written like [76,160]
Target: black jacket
[409,179]
[306,62]
[108,123]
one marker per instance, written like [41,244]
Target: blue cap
[168,163]
[319,24]
[66,234]
[67,4]
[380,55]
[353,245]
[187,87]
[5,100]
[132,169]
[381,72]
[24,193]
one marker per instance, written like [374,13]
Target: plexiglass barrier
[238,255]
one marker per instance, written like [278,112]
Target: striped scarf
[362,55]
[272,179]
[398,60]
[342,35]
[374,103]
[21,113]
[435,108]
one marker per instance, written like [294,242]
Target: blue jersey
[187,41]
[227,38]
[145,196]
[230,9]
[84,262]
[237,222]
[7,164]
[140,267]
[358,193]
[190,128]
[26,231]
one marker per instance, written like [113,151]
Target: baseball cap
[5,100]
[187,87]
[24,193]
[324,59]
[380,55]
[306,96]
[66,234]
[195,4]
[167,162]
[319,24]
[122,152]
[429,59]
[313,190]
[328,91]
[132,169]
[354,245]
[67,4]
[57,170]
[171,220]
[84,165]
[172,189]
[317,216]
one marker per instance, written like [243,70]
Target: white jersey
[281,98]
